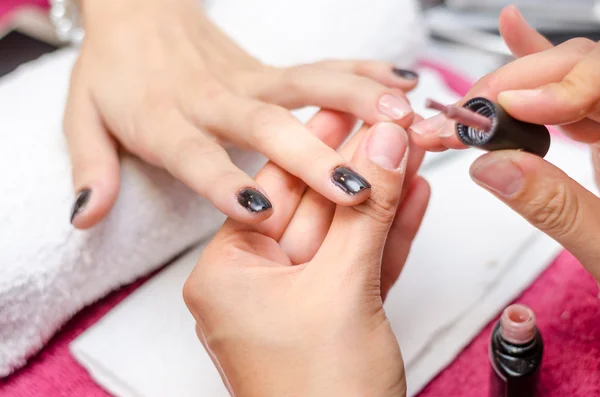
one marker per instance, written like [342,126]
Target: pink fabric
[456,82]
[564,297]
[6,6]
[566,304]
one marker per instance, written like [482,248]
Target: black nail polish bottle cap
[506,132]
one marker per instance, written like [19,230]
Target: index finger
[276,133]
[568,100]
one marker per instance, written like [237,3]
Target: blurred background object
[465,32]
[474,22]
[25,32]
[573,11]
[17,48]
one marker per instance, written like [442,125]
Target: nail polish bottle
[516,350]
[506,132]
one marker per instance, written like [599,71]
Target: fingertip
[422,186]
[394,106]
[92,203]
[427,141]
[351,187]
[509,15]
[452,142]
[248,218]
[418,196]
[249,205]
[96,187]
[254,203]
[405,79]
[548,104]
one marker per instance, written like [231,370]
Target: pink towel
[564,297]
[565,300]
[7,6]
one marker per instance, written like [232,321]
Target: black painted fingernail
[405,74]
[349,181]
[253,200]
[80,202]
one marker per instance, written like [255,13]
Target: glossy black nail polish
[80,202]
[349,181]
[405,74]
[253,200]
[507,133]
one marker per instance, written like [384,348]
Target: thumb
[547,198]
[94,160]
[358,234]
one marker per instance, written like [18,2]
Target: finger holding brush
[547,85]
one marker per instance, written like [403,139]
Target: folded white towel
[49,270]
[471,258]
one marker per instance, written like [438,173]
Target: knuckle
[293,79]
[364,68]
[555,211]
[188,150]
[196,295]
[204,286]
[494,83]
[381,209]
[264,120]
[156,96]
[209,91]
[192,295]
[252,82]
[577,95]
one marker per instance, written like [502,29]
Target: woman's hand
[546,85]
[158,79]
[293,306]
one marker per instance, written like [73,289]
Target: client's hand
[547,85]
[157,78]
[293,306]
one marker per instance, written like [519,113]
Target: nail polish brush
[484,124]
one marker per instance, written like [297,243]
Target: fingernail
[405,74]
[387,145]
[429,126]
[517,12]
[519,96]
[349,181]
[499,175]
[253,200]
[83,197]
[394,107]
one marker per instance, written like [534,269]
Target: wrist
[321,372]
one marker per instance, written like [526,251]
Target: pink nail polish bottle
[516,350]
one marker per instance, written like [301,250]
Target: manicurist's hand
[546,85]
[158,79]
[293,306]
